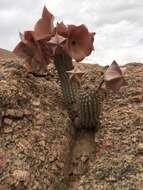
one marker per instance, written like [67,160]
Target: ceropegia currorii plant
[62,43]
[39,46]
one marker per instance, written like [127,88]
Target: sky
[118,24]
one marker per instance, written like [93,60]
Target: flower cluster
[39,46]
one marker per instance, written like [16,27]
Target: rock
[140,147]
[7,121]
[36,136]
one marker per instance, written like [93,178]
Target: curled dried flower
[39,46]
[113,77]
[80,42]
[32,53]
[32,46]
[62,30]
[27,37]
[44,27]
[56,41]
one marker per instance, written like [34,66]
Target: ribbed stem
[89,109]
[84,106]
[63,63]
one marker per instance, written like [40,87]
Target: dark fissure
[81,107]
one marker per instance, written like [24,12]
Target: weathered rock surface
[34,130]
[117,162]
[38,149]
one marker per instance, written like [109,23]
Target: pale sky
[118,24]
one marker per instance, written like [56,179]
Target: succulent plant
[61,44]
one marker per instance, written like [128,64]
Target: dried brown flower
[44,27]
[37,47]
[80,42]
[113,77]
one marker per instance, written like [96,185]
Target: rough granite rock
[117,162]
[35,130]
[38,147]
